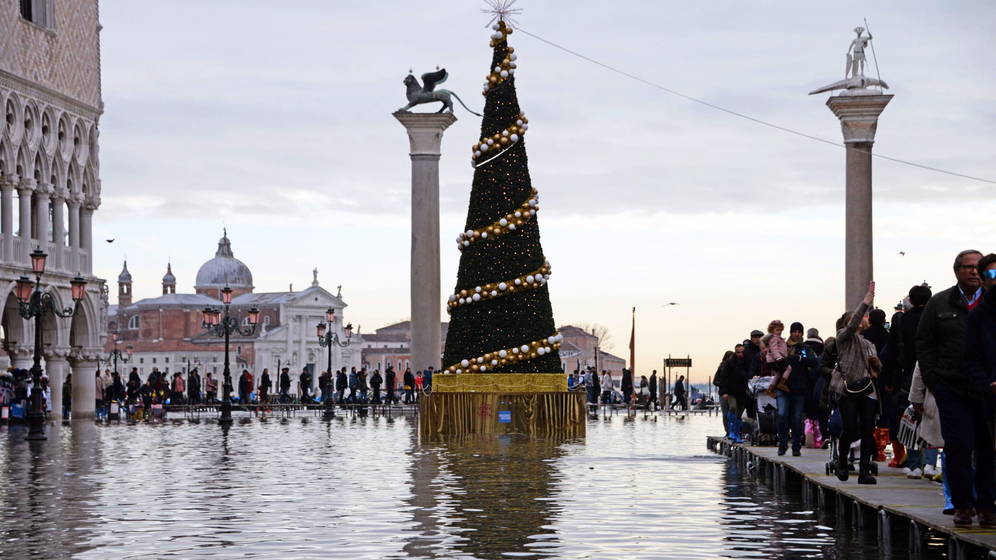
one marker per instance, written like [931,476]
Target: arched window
[133,322]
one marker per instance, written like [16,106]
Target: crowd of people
[342,387]
[927,377]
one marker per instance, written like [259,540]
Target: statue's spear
[874,56]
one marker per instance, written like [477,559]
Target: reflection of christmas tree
[500,315]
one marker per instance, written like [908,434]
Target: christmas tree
[500,315]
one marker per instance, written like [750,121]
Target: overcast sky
[274,118]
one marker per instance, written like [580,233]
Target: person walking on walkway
[210,389]
[653,389]
[717,381]
[354,384]
[285,385]
[304,385]
[965,415]
[733,391]
[265,384]
[980,361]
[853,381]
[680,394]
[391,380]
[341,384]
[792,402]
[606,383]
[409,385]
[376,380]
[193,387]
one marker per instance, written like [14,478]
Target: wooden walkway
[292,409]
[895,499]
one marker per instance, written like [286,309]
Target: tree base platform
[532,404]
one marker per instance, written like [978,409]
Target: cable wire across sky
[738,114]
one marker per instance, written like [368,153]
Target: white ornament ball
[497,68]
[484,235]
[502,353]
[463,301]
[503,222]
[496,27]
[477,289]
[453,297]
[514,138]
[551,339]
[493,293]
[477,297]
[525,126]
[518,214]
[532,212]
[484,368]
[518,281]
[504,73]
[529,279]
[480,360]
[466,243]
[477,153]
[518,122]
[465,363]
[515,350]
[459,371]
[513,65]
[511,227]
[469,233]
[513,57]
[502,286]
[491,141]
[524,348]
[494,362]
[504,133]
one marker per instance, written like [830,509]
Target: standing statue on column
[856,54]
[855,82]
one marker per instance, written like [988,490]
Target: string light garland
[512,221]
[533,280]
[507,356]
[500,140]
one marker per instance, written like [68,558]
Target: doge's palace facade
[50,182]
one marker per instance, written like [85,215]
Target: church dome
[224,269]
[125,276]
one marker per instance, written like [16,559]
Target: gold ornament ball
[492,79]
[532,355]
[504,140]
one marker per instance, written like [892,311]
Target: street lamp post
[33,303]
[328,338]
[222,324]
[116,354]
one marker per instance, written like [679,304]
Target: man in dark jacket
[376,380]
[304,385]
[409,386]
[980,359]
[791,404]
[391,380]
[627,385]
[193,387]
[964,413]
[733,390]
[285,383]
[653,388]
[340,385]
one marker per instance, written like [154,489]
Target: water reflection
[365,488]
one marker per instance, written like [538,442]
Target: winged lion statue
[426,92]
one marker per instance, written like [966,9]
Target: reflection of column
[56,366]
[84,385]
[425,137]
[858,116]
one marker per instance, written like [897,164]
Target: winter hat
[756,332]
[796,327]
[877,317]
[813,333]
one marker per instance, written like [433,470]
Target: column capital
[425,130]
[91,203]
[57,353]
[75,199]
[858,115]
[9,180]
[44,189]
[61,193]
[27,184]
[85,354]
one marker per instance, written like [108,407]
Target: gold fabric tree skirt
[533,404]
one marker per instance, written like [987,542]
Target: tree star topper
[501,10]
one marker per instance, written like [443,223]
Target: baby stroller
[836,427]
[764,427]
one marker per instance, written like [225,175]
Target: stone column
[74,231]
[42,201]
[84,385]
[7,215]
[24,192]
[57,366]
[858,114]
[86,235]
[425,136]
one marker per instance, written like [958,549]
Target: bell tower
[124,287]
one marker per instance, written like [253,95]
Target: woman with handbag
[853,381]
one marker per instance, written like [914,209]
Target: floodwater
[365,488]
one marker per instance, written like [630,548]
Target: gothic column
[858,114]
[56,367]
[84,370]
[43,195]
[59,229]
[23,356]
[74,231]
[7,215]
[86,235]
[24,191]
[425,137]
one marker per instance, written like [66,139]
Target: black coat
[341,382]
[804,363]
[391,379]
[653,385]
[285,382]
[940,342]
[980,345]
[907,355]
[409,379]
[752,353]
[376,380]
[733,377]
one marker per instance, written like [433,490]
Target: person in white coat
[923,462]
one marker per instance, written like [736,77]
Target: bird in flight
[110,240]
[902,253]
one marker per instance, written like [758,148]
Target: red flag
[632,346]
